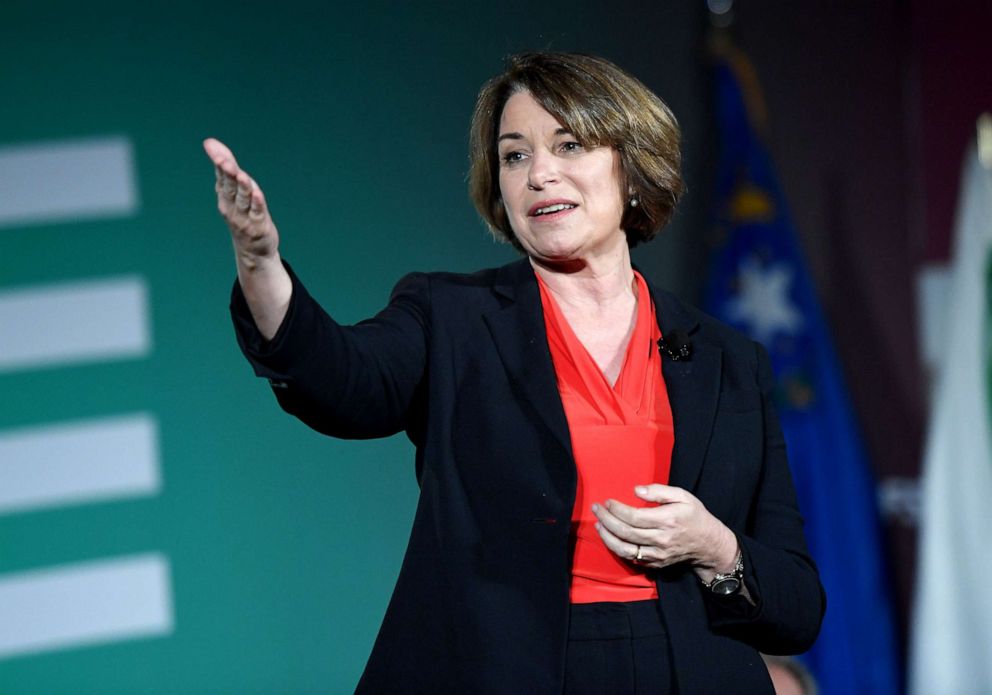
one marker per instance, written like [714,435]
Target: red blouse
[622,436]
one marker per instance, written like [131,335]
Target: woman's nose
[543,170]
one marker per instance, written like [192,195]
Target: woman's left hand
[679,529]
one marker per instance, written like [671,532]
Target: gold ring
[639,558]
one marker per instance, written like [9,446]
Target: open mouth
[551,209]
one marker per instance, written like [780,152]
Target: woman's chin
[556,250]
[562,248]
[556,254]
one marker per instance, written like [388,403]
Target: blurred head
[600,106]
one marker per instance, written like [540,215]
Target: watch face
[725,586]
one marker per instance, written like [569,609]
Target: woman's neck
[592,285]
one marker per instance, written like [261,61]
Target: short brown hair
[602,106]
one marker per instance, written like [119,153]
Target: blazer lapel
[693,390]
[693,385]
[522,343]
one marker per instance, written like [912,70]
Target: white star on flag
[762,301]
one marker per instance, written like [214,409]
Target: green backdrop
[283,545]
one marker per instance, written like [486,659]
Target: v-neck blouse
[622,435]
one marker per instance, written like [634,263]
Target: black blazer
[461,364]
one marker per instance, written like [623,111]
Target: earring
[633,202]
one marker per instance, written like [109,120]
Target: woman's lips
[551,209]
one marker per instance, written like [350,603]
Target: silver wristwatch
[728,584]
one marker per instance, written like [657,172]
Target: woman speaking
[605,501]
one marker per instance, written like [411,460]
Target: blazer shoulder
[480,288]
[448,281]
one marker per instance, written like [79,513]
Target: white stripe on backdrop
[84,604]
[67,180]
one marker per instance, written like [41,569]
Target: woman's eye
[512,157]
[571,146]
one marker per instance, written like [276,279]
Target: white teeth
[553,208]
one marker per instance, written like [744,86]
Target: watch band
[728,584]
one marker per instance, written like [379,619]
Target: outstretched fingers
[258,207]
[226,185]
[237,192]
[220,154]
[242,205]
[243,194]
[225,167]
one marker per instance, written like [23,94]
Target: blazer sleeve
[780,575]
[353,382]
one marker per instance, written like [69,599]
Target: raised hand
[242,204]
[266,284]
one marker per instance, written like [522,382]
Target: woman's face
[563,200]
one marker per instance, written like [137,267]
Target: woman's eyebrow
[518,136]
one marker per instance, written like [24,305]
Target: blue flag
[759,283]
